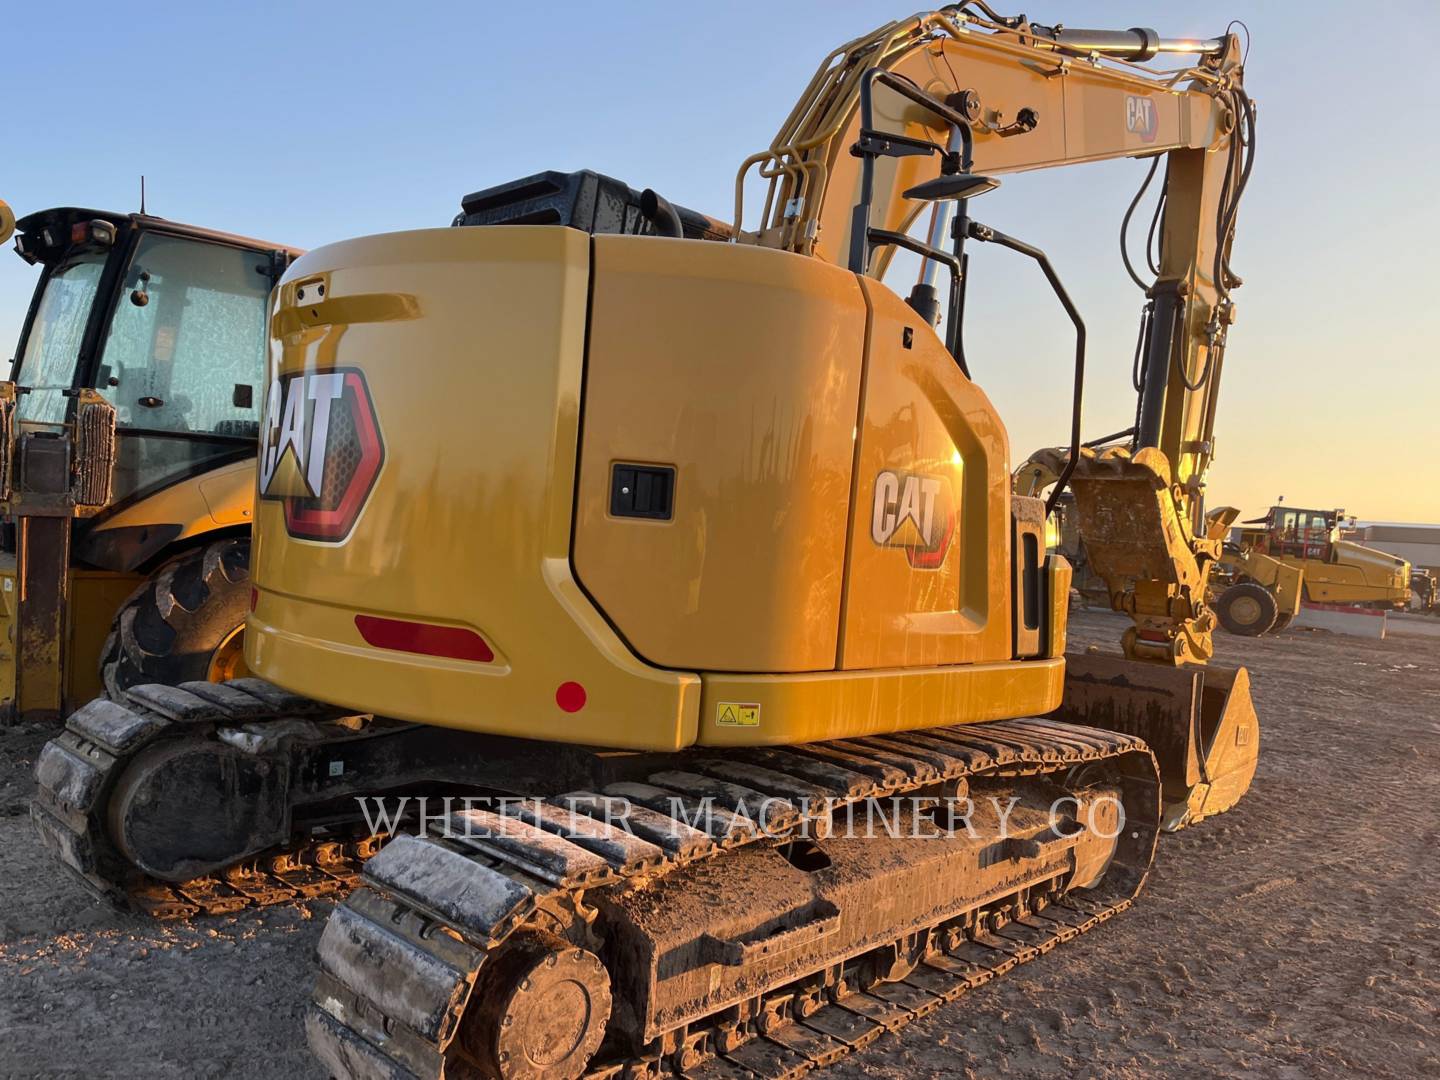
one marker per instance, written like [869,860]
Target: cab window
[52,348]
[185,350]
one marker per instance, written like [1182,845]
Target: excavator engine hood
[609,488]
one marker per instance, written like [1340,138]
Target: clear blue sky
[306,123]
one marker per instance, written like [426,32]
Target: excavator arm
[855,164]
[927,113]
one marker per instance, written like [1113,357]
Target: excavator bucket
[1199,721]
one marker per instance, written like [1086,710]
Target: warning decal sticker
[735,714]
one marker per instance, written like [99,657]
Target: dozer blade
[1199,722]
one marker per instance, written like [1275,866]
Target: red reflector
[455,642]
[570,696]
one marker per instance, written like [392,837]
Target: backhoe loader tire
[184,623]
[1247,609]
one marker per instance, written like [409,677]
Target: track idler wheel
[194,806]
[538,1010]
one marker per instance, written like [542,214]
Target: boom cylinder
[1137,43]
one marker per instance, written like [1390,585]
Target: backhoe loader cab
[127,441]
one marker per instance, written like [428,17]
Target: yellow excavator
[127,455]
[681,558]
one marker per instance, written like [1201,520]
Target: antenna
[142,193]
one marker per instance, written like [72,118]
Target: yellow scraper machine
[687,553]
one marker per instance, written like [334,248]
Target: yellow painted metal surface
[927,577]
[471,342]
[1354,574]
[468,525]
[198,504]
[741,366]
[1085,113]
[1058,575]
[95,596]
[1075,111]
[841,705]
[1284,579]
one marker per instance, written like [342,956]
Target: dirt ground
[1295,936]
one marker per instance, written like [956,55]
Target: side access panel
[732,374]
[928,576]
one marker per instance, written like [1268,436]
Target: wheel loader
[127,455]
[671,566]
[1291,555]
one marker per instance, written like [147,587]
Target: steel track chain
[399,959]
[77,771]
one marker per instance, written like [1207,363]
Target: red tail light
[427,639]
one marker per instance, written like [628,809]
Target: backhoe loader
[673,552]
[127,455]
